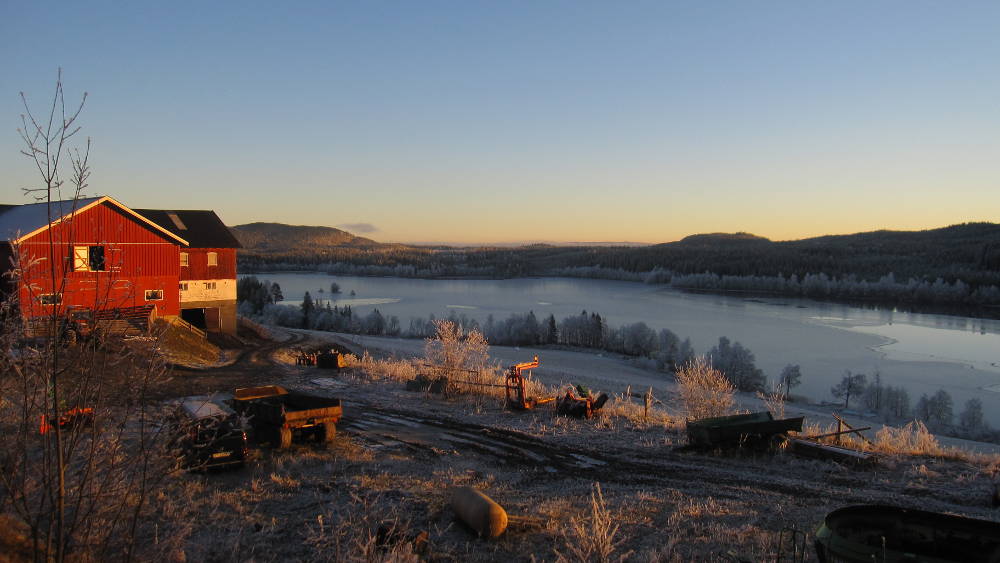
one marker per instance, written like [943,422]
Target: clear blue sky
[500,121]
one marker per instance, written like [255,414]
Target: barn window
[154,295]
[184,259]
[209,285]
[182,286]
[50,298]
[213,259]
[89,259]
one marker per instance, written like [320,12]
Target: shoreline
[990,312]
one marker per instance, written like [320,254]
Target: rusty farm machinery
[577,401]
[514,383]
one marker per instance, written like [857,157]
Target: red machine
[76,416]
[514,388]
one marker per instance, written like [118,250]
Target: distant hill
[969,252]
[710,239]
[278,238]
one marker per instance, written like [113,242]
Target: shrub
[705,391]
[912,439]
[455,351]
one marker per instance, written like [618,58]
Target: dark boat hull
[889,534]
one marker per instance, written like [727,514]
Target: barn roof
[202,229]
[20,222]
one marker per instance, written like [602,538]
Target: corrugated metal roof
[203,407]
[202,229]
[19,220]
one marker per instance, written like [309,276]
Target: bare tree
[935,410]
[850,385]
[791,376]
[78,450]
[895,402]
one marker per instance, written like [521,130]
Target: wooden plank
[827,435]
[830,452]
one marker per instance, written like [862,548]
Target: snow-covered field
[610,373]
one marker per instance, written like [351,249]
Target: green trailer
[740,428]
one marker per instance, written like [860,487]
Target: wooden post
[648,401]
[839,428]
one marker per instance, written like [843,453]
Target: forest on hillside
[957,266]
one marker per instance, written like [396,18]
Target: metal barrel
[479,511]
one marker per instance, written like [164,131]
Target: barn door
[212,318]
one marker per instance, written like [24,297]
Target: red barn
[99,255]
[207,279]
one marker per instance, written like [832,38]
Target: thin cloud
[359,227]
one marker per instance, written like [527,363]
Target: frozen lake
[921,352]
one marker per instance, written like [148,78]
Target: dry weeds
[592,537]
[370,528]
[391,369]
[774,402]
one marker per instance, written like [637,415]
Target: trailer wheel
[329,431]
[284,437]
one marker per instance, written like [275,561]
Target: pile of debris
[584,405]
[327,359]
[578,401]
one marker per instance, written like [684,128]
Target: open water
[921,352]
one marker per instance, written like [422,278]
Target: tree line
[957,266]
[936,411]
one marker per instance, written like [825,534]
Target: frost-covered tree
[374,323]
[790,377]
[971,422]
[940,409]
[738,364]
[895,403]
[850,385]
[392,326]
[936,411]
[453,350]
[638,339]
[875,393]
[668,349]
[685,353]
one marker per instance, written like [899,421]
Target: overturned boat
[889,534]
